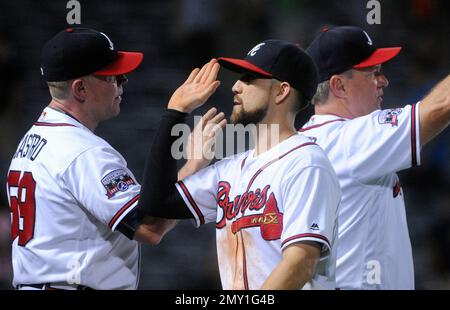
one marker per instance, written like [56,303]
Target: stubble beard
[245,117]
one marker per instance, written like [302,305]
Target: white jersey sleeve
[382,142]
[310,204]
[199,193]
[100,180]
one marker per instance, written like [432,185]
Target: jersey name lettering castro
[68,190]
[263,204]
[374,250]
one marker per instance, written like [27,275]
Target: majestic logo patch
[314,226]
[389,116]
[117,181]
[313,139]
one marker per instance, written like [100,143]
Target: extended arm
[146,223]
[159,199]
[434,111]
[295,269]
[151,229]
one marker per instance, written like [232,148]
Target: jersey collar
[318,120]
[278,149]
[321,118]
[53,117]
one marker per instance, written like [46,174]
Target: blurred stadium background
[175,36]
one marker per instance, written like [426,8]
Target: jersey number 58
[23,204]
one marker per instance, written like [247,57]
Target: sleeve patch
[389,116]
[117,181]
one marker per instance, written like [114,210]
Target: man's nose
[382,80]
[237,87]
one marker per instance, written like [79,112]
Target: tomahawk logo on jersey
[366,152]
[270,221]
[67,197]
[258,210]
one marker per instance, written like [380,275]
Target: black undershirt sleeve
[159,196]
[130,223]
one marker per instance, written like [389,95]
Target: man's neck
[74,113]
[268,136]
[332,107]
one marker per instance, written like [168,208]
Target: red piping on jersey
[122,210]
[274,160]
[306,236]
[53,124]
[192,202]
[243,163]
[319,125]
[413,136]
[397,189]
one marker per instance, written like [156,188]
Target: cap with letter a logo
[280,60]
[76,52]
[339,49]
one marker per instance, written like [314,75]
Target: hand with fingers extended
[201,141]
[197,89]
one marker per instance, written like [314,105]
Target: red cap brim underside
[125,63]
[240,65]
[381,55]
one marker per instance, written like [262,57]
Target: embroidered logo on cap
[369,40]
[111,45]
[255,49]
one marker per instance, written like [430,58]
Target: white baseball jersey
[262,204]
[374,250]
[68,190]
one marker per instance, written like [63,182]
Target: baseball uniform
[68,190]
[374,249]
[262,204]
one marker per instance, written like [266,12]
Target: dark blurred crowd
[175,36]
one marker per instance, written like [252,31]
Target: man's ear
[339,86]
[283,91]
[79,90]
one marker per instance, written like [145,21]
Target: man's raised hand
[197,89]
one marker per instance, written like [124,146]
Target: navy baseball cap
[280,60]
[76,52]
[339,49]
